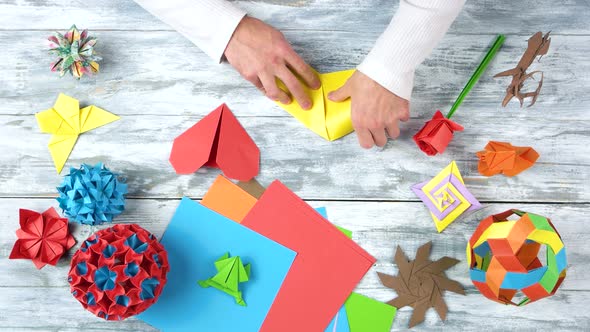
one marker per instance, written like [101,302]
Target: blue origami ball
[92,195]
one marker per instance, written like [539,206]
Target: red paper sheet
[326,270]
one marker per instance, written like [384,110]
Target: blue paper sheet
[340,322]
[194,239]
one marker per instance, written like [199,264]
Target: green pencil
[475,77]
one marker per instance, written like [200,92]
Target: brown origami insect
[420,283]
[538,45]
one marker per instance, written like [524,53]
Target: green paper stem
[475,77]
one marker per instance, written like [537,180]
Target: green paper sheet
[345,231]
[367,314]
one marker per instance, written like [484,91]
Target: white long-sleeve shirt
[415,29]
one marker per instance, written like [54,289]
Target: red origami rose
[436,134]
[42,238]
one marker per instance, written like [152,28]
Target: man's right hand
[260,53]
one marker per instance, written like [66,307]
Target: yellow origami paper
[329,119]
[66,121]
[446,196]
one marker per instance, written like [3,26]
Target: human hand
[375,110]
[260,53]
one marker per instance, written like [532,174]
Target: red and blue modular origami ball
[119,272]
[503,257]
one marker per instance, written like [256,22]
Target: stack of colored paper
[303,268]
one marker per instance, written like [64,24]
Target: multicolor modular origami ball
[75,53]
[118,272]
[92,195]
[503,257]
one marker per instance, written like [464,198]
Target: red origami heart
[220,141]
[43,238]
[436,134]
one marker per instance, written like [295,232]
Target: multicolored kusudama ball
[75,53]
[92,195]
[503,257]
[119,272]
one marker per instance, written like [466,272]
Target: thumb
[340,94]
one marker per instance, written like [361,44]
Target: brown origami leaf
[421,282]
[538,45]
[502,157]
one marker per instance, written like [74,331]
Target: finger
[405,115]
[379,137]
[271,89]
[295,87]
[365,138]
[304,71]
[256,82]
[340,94]
[393,130]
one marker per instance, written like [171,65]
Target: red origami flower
[42,238]
[436,134]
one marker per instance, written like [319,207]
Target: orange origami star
[502,157]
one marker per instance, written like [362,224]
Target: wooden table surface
[160,84]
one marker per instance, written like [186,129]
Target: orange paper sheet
[229,200]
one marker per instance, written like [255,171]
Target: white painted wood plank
[488,17]
[53,309]
[139,148]
[163,73]
[377,227]
[164,84]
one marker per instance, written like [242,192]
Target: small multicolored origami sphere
[502,255]
[75,52]
[92,195]
[119,272]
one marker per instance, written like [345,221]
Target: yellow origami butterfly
[66,121]
[329,119]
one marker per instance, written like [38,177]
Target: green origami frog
[230,272]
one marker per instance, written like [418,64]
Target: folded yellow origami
[329,119]
[66,121]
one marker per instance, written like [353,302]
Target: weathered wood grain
[161,84]
[179,93]
[378,227]
[139,146]
[163,73]
[54,309]
[486,17]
